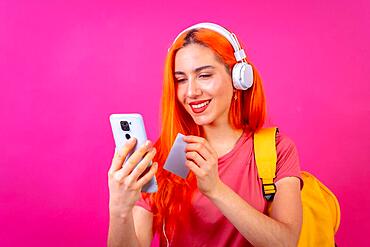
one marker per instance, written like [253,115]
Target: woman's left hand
[202,159]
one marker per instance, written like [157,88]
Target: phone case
[125,126]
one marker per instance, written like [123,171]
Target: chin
[202,120]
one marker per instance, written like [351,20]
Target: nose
[193,89]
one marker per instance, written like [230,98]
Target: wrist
[120,218]
[217,191]
[115,213]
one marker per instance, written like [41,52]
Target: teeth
[200,105]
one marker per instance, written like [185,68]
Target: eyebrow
[196,70]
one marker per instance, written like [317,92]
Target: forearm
[122,231]
[257,228]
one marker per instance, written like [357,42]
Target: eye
[205,76]
[180,80]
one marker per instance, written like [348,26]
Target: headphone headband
[242,72]
[231,37]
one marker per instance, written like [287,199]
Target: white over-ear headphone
[242,72]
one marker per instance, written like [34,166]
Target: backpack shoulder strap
[265,155]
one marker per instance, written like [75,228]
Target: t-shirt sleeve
[144,203]
[287,159]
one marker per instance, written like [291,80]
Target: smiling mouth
[200,107]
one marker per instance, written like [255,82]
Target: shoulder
[284,142]
[288,164]
[285,146]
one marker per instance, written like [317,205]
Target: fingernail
[147,143]
[131,140]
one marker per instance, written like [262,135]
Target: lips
[199,106]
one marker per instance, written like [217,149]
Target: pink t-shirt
[237,169]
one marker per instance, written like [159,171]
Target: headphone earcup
[242,74]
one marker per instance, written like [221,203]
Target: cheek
[219,89]
[180,94]
[223,93]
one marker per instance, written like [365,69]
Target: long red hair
[171,202]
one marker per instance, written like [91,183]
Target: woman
[221,202]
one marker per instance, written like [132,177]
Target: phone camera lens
[125,126]
[128,136]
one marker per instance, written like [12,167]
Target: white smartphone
[126,126]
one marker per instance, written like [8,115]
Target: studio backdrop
[65,66]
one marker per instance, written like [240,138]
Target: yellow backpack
[321,211]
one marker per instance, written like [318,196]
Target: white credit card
[176,159]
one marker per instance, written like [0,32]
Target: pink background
[65,67]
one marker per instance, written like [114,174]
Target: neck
[222,138]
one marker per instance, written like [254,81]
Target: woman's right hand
[124,178]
